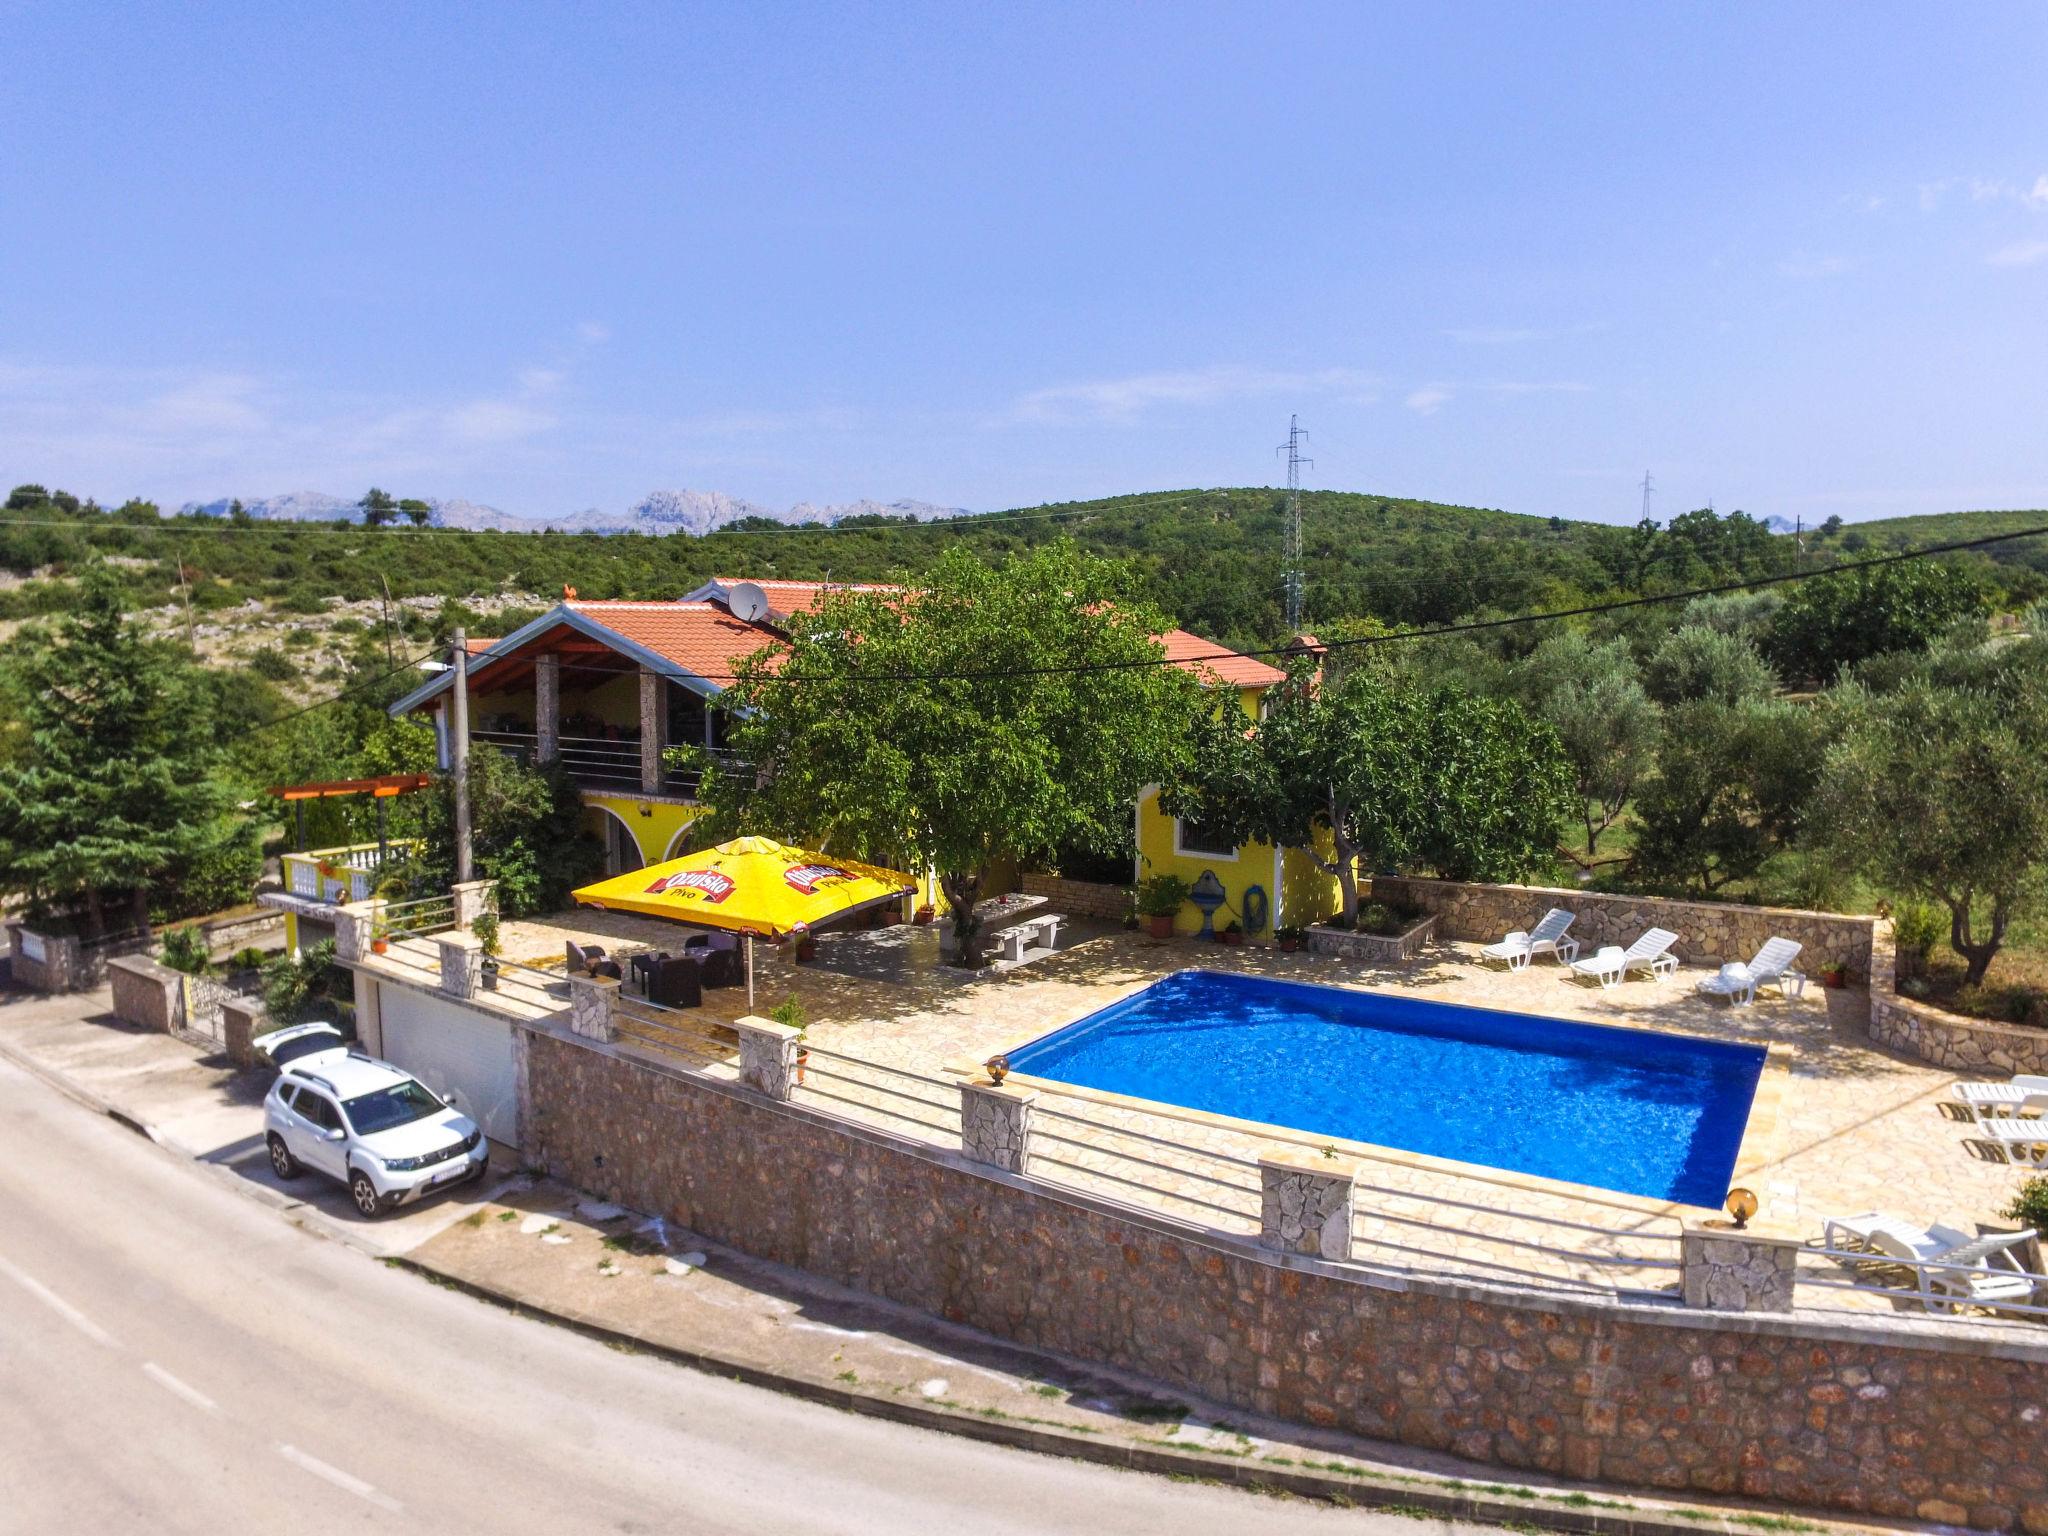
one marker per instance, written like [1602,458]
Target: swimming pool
[1621,1109]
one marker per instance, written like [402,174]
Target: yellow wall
[654,832]
[1297,893]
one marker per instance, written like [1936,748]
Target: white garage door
[446,1046]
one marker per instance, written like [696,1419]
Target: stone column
[1305,1203]
[995,1123]
[354,923]
[241,1021]
[1750,1269]
[462,963]
[594,1007]
[767,1055]
[547,705]
[472,900]
[653,728]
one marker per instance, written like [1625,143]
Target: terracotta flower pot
[1289,946]
[1162,927]
[379,946]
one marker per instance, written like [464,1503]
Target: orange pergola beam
[382,787]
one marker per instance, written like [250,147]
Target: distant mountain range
[692,512]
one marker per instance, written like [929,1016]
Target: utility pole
[185,581]
[1648,487]
[390,653]
[1296,580]
[458,755]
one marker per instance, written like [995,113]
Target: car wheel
[282,1163]
[364,1193]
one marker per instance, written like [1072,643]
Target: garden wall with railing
[1908,1420]
[1709,932]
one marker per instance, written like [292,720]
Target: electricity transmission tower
[1295,578]
[1648,487]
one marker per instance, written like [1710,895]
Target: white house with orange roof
[605,687]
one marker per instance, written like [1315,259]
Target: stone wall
[147,994]
[1709,932]
[1372,948]
[227,936]
[61,962]
[1854,1418]
[1975,1046]
[1083,898]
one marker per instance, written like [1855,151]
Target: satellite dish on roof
[747,602]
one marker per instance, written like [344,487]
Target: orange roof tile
[801,596]
[1191,653]
[698,637]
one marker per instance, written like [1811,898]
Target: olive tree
[1373,769]
[1940,792]
[1732,784]
[1592,696]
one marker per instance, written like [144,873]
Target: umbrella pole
[750,973]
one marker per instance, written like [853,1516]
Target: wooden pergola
[383,788]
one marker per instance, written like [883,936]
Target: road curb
[1448,1498]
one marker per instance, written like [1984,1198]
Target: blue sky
[1792,259]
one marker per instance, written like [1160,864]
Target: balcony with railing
[602,762]
[337,875]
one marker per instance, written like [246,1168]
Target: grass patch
[473,1219]
[508,1215]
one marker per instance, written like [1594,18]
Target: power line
[364,686]
[1749,584]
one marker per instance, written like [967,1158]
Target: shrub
[486,930]
[1162,895]
[185,949]
[246,959]
[1916,928]
[2030,1206]
[274,665]
[789,1013]
[295,985]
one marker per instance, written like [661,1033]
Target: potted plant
[924,912]
[485,927]
[380,939]
[1231,934]
[1836,976]
[789,1013]
[1288,938]
[1159,901]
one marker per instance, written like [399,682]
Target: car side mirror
[450,1098]
[336,1134]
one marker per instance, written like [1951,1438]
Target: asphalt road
[175,1357]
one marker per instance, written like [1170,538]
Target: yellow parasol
[753,886]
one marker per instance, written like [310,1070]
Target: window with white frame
[1191,837]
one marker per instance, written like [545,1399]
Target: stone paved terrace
[1858,1127]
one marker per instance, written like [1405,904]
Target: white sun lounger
[1772,965]
[1519,948]
[2026,1094]
[1984,1273]
[2020,1139]
[1651,952]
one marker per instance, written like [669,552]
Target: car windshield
[400,1104]
[287,1051]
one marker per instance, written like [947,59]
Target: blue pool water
[1622,1109]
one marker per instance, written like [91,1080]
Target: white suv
[363,1121]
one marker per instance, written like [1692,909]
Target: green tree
[112,787]
[1832,622]
[939,724]
[526,833]
[378,507]
[1731,787]
[417,512]
[1373,769]
[1592,696]
[1940,792]
[1696,662]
